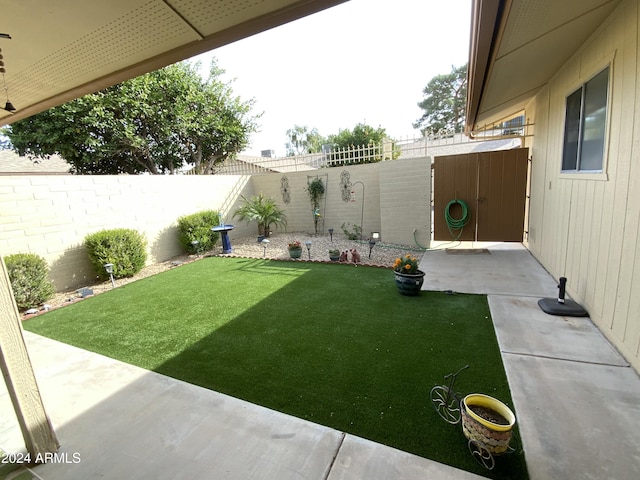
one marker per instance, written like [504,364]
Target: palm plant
[263,210]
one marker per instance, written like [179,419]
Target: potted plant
[408,278]
[295,249]
[263,210]
[334,254]
[487,422]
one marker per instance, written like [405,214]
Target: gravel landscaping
[382,255]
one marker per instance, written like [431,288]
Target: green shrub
[126,249]
[354,234]
[197,227]
[29,276]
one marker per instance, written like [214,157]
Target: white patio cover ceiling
[67,48]
[518,45]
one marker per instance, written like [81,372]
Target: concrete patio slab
[568,338]
[120,421]
[507,269]
[577,420]
[115,420]
[362,459]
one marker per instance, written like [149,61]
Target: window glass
[572,131]
[595,116]
[585,126]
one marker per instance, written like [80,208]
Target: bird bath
[224,232]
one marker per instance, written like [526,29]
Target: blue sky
[362,61]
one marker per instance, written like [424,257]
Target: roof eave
[487,25]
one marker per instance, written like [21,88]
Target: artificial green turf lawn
[333,344]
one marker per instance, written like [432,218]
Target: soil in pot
[488,414]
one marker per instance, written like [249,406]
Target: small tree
[263,210]
[301,140]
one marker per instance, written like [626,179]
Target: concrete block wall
[51,215]
[396,198]
[334,211]
[405,201]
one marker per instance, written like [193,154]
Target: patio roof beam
[37,431]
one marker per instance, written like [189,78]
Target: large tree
[154,123]
[444,103]
[301,140]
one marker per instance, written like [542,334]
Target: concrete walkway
[575,397]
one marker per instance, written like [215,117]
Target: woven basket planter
[492,436]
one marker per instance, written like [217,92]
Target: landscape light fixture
[196,244]
[109,268]
[308,245]
[265,243]
[331,234]
[375,236]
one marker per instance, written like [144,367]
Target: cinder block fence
[51,215]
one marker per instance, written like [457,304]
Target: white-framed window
[586,125]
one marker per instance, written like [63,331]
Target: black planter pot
[409,284]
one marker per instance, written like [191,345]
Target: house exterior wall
[51,215]
[586,227]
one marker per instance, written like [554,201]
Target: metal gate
[492,184]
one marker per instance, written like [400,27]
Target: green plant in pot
[408,278]
[263,210]
[334,254]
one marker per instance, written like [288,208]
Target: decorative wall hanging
[285,190]
[345,186]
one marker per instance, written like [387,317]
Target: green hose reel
[456,223]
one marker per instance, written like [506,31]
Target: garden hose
[453,223]
[393,246]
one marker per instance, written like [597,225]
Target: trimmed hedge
[197,227]
[126,249]
[29,276]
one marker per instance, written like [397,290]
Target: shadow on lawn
[342,348]
[334,345]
